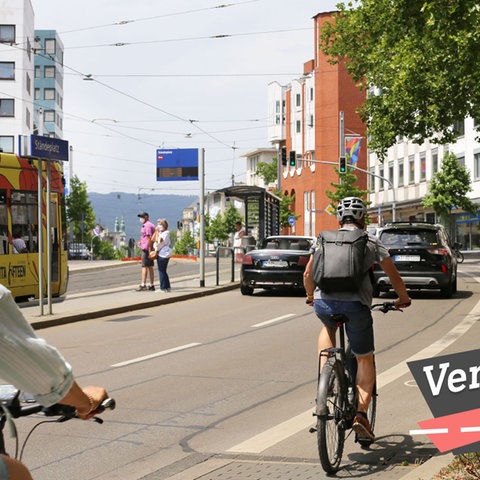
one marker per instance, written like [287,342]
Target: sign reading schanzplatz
[177,164]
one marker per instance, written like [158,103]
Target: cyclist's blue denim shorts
[359,326]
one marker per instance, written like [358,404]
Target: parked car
[78,251]
[422,253]
[278,262]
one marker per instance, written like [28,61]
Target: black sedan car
[423,255]
[279,262]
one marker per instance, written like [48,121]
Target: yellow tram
[19,270]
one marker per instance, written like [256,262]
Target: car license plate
[407,258]
[275,263]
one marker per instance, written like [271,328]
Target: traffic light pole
[368,173]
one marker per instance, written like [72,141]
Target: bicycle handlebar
[385,307]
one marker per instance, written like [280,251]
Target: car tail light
[444,268]
[438,251]
[247,260]
[302,261]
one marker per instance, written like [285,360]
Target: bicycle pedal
[312,429]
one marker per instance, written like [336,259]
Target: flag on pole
[352,148]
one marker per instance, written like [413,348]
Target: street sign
[177,164]
[329,209]
[44,148]
[291,220]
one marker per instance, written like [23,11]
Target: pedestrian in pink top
[145,243]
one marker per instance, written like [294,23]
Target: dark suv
[422,253]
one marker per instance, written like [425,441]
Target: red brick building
[305,117]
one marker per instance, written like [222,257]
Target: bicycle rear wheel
[331,405]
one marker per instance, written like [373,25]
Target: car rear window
[400,238]
[287,243]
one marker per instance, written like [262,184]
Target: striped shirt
[29,362]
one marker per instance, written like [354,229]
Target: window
[6,144]
[7,107]
[27,118]
[37,94]
[298,100]
[49,72]
[390,174]
[25,217]
[311,121]
[459,127]
[49,94]
[277,106]
[49,116]
[3,221]
[401,178]
[411,169]
[7,33]
[28,83]
[434,161]
[37,72]
[298,126]
[461,160]
[372,180]
[311,94]
[381,174]
[50,46]
[476,165]
[423,166]
[7,70]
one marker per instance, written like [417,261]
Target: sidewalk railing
[225,253]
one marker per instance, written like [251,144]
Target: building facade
[48,87]
[311,116]
[16,72]
[261,155]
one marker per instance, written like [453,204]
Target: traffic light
[283,155]
[293,158]
[342,164]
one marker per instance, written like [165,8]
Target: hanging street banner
[177,164]
[352,149]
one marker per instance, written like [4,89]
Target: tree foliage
[421,55]
[185,245]
[448,189]
[268,171]
[80,212]
[346,188]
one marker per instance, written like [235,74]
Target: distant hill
[109,206]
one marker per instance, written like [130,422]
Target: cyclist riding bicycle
[34,366]
[351,212]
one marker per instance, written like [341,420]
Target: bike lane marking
[280,432]
[274,320]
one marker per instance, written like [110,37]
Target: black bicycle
[15,404]
[458,254]
[336,403]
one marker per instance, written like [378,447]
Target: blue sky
[161,81]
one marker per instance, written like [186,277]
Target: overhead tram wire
[155,17]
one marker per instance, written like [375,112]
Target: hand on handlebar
[96,395]
[400,303]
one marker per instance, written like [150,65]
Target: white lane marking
[469,429]
[155,355]
[274,435]
[429,431]
[273,320]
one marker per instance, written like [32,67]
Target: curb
[66,319]
[429,469]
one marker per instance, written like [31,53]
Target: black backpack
[339,261]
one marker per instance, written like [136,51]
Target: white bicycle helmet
[352,207]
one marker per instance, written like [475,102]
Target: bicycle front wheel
[460,257]
[331,410]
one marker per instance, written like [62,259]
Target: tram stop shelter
[262,209]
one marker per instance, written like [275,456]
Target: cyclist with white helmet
[351,213]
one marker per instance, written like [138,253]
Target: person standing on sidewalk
[145,243]
[162,246]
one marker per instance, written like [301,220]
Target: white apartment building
[408,170]
[16,72]
[261,155]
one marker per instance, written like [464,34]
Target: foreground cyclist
[34,366]
[351,212]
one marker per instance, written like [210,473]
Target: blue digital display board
[177,164]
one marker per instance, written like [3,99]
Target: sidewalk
[99,303]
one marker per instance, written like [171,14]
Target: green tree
[286,202]
[421,55]
[448,189]
[267,171]
[231,217]
[80,211]
[185,245]
[347,187]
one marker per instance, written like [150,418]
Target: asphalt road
[229,382]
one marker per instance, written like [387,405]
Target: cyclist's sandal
[361,426]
